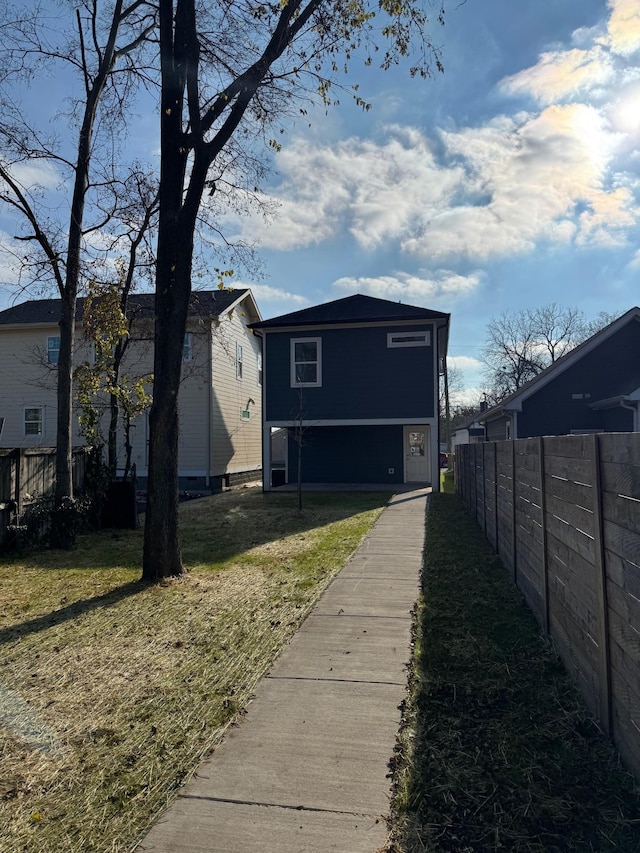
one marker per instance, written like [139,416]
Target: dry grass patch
[498,751]
[112,691]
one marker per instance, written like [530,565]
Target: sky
[510,181]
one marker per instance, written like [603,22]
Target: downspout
[633,409]
[210,408]
[264,430]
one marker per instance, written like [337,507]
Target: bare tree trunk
[162,555]
[112,437]
[64,483]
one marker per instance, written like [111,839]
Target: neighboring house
[358,379]
[220,393]
[470,430]
[593,388]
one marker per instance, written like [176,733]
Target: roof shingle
[351,309]
[205,303]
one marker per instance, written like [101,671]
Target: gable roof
[203,303]
[474,418]
[513,402]
[351,309]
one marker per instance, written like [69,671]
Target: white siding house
[220,393]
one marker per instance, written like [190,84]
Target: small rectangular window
[306,362]
[53,349]
[33,420]
[238,361]
[187,353]
[418,338]
[259,368]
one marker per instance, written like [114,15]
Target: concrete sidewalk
[306,769]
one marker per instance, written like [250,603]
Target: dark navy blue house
[594,388]
[356,380]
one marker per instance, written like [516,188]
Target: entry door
[416,454]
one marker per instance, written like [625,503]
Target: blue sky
[508,182]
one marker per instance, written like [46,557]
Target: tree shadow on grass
[70,612]
[230,528]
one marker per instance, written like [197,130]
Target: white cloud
[494,190]
[464,362]
[562,74]
[528,179]
[35,173]
[265,293]
[470,396]
[412,288]
[374,191]
[624,26]
[9,260]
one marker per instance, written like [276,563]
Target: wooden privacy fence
[29,473]
[563,514]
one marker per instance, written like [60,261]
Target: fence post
[19,479]
[543,525]
[495,492]
[604,685]
[513,510]
[484,488]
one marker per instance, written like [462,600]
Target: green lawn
[112,691]
[497,751]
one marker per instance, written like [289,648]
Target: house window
[306,362]
[417,338]
[187,351]
[238,361]
[259,368]
[53,349]
[34,420]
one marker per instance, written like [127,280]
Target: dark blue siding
[611,369]
[361,377]
[353,454]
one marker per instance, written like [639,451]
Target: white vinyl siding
[216,436]
[236,440]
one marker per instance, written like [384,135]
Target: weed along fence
[27,473]
[563,514]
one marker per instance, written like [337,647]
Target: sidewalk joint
[298,808]
[341,680]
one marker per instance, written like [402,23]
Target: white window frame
[239,361]
[187,348]
[317,362]
[259,368]
[53,349]
[410,338]
[39,421]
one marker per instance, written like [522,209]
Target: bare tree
[229,70]
[556,330]
[511,354]
[520,344]
[95,47]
